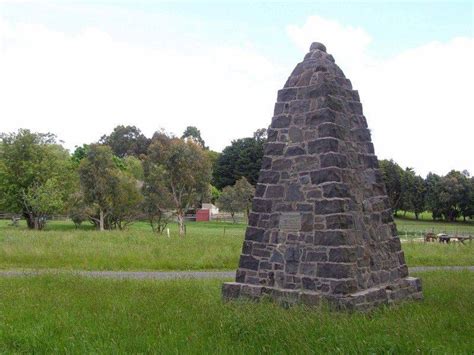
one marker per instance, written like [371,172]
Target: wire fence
[227,218]
[11,216]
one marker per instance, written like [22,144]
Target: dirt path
[167,275]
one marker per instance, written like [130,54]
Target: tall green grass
[59,314]
[436,254]
[207,246]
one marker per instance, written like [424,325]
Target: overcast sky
[78,69]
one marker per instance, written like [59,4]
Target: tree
[157,198]
[42,200]
[418,196]
[392,174]
[243,158]
[195,134]
[77,209]
[36,176]
[228,202]
[260,135]
[450,192]
[469,211]
[432,183]
[184,171]
[214,194]
[237,198]
[466,205]
[126,201]
[125,141]
[133,167]
[407,180]
[213,158]
[99,178]
[79,154]
[244,192]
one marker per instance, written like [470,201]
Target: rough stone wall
[321,221]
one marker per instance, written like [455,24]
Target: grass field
[208,246]
[60,313]
[79,315]
[410,227]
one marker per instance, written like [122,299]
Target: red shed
[203,215]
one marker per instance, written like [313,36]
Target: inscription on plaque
[290,221]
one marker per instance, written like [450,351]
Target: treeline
[447,197]
[127,176]
[124,176]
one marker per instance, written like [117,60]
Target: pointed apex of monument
[317,46]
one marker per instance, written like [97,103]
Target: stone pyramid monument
[321,226]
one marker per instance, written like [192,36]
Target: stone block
[323,207]
[333,160]
[275,191]
[326,175]
[323,145]
[331,130]
[286,95]
[335,190]
[343,254]
[333,238]
[248,262]
[335,270]
[294,151]
[274,148]
[282,121]
[324,115]
[339,221]
[255,234]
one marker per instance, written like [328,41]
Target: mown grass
[207,246]
[60,314]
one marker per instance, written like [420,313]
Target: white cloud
[81,85]
[419,104]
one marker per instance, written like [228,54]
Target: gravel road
[168,275]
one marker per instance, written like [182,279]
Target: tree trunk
[416,216]
[233,217]
[29,220]
[101,220]
[182,230]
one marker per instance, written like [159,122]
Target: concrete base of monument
[408,288]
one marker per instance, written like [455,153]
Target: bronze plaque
[290,221]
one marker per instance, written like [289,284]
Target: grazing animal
[430,237]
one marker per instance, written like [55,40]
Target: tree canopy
[36,175]
[184,170]
[195,134]
[125,141]
[243,158]
[237,198]
[130,176]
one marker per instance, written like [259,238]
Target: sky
[79,68]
